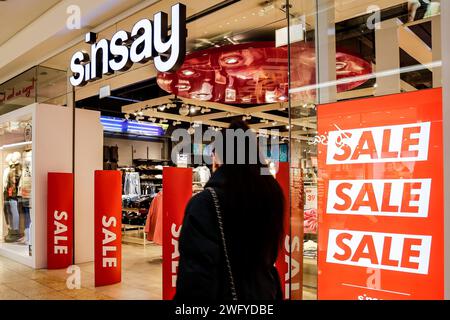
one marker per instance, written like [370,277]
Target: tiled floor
[141,279]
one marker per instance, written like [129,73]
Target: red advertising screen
[381,210]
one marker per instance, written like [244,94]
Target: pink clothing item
[150,222]
[156,216]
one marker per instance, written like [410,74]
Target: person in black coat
[252,206]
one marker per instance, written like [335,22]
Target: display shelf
[16,145]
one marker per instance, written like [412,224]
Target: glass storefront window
[359,50]
[16,173]
[38,84]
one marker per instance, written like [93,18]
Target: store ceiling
[17,14]
[241,23]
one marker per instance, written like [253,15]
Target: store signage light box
[147,40]
[112,124]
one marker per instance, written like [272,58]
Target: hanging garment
[11,181]
[155,217]
[132,184]
[150,223]
[26,179]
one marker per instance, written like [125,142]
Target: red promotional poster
[289,261]
[108,225]
[59,220]
[381,214]
[177,186]
[284,256]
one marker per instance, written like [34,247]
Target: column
[387,57]
[445,25]
[436,50]
[326,51]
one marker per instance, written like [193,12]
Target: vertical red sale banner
[284,256]
[381,213]
[289,262]
[177,191]
[59,220]
[107,226]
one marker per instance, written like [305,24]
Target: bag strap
[224,243]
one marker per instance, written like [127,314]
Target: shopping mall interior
[241,63]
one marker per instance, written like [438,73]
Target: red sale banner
[59,220]
[289,262]
[177,186]
[107,226]
[381,212]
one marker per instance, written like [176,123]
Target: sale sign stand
[59,220]
[289,262]
[177,191]
[284,256]
[108,227]
[381,214]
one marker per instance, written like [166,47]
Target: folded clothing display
[135,218]
[310,249]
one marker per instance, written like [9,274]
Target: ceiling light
[182,87]
[162,108]
[193,109]
[184,110]
[188,72]
[288,127]
[231,60]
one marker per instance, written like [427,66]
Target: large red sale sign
[381,211]
[177,184]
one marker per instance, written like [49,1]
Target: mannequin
[11,179]
[24,193]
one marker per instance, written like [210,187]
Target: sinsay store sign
[148,40]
